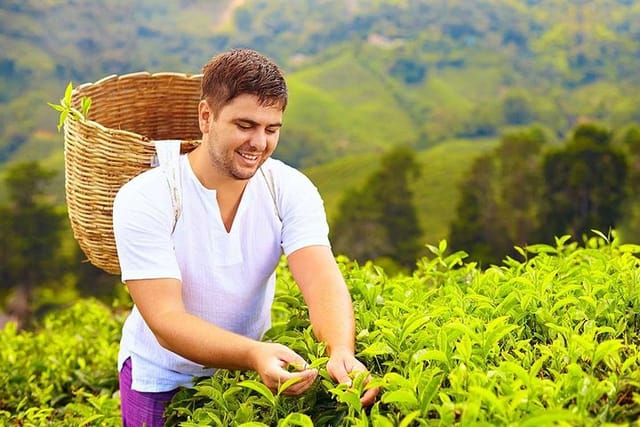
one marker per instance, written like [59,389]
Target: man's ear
[205,115]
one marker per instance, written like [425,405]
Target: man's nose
[259,140]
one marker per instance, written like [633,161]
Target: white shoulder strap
[268,177]
[168,156]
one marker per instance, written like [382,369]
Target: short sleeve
[304,222]
[142,224]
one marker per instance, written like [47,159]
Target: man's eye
[271,131]
[244,126]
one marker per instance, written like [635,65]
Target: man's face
[242,137]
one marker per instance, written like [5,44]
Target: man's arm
[160,304]
[325,292]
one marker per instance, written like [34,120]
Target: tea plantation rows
[549,339]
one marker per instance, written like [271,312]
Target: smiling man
[203,285]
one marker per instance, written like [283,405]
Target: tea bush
[64,373]
[550,339]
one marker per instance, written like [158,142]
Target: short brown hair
[242,71]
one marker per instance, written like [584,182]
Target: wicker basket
[116,143]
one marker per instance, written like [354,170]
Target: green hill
[338,108]
[363,76]
[368,75]
[436,191]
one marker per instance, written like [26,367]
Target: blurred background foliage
[520,117]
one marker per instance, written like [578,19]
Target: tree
[90,281]
[409,70]
[358,231]
[31,228]
[585,184]
[499,201]
[630,227]
[517,109]
[380,220]
[475,229]
[520,184]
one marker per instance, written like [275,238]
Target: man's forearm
[324,290]
[160,304]
[205,343]
[331,315]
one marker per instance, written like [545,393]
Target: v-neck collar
[211,195]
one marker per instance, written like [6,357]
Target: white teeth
[248,156]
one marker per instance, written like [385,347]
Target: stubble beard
[225,166]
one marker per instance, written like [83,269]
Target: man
[203,284]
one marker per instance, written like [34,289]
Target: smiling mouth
[249,157]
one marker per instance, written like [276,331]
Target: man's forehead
[248,108]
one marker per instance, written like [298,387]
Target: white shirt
[228,278]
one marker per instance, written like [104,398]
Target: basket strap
[168,158]
[268,177]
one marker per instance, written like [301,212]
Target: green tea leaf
[395,380]
[376,349]
[563,303]
[56,106]
[429,355]
[548,417]
[85,105]
[348,396]
[412,324]
[65,108]
[406,397]
[629,248]
[601,234]
[408,419]
[541,248]
[63,116]
[296,419]
[67,93]
[259,388]
[606,349]
[291,381]
[90,420]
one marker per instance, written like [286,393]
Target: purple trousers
[141,408]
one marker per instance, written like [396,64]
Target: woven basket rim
[107,79]
[102,128]
[110,77]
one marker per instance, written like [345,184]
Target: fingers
[275,370]
[304,379]
[344,370]
[290,383]
[369,396]
[277,362]
[339,371]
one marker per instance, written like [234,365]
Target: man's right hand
[272,362]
